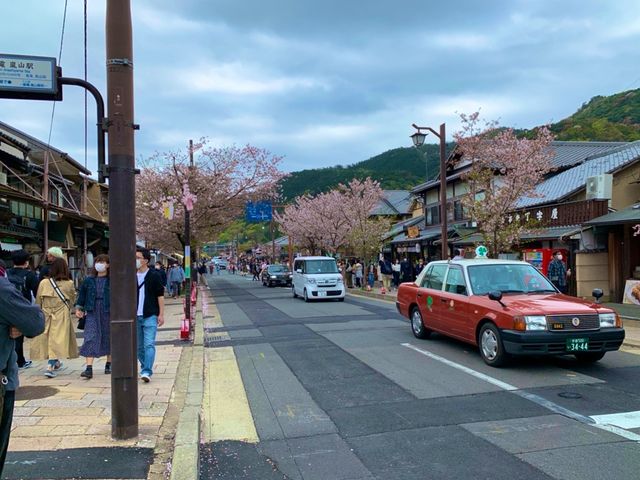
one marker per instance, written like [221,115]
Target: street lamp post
[418,140]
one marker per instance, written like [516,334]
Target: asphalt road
[344,391]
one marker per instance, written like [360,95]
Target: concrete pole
[443,192]
[122,220]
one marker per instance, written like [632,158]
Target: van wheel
[306,296]
[293,290]
[417,327]
[491,347]
[589,357]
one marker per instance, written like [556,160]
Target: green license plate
[577,344]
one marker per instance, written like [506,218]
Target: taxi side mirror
[495,295]
[597,294]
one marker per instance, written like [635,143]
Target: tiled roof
[568,154]
[394,202]
[573,180]
[400,226]
[628,215]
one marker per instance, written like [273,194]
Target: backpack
[19,280]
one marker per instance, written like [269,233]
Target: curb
[186,452]
[627,342]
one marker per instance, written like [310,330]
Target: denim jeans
[147,329]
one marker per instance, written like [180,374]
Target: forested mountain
[400,168]
[603,118]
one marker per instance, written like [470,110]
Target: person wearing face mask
[93,304]
[558,272]
[150,313]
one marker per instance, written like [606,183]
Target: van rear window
[321,266]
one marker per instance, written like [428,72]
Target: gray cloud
[331,82]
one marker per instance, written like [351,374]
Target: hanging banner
[187,261]
[167,210]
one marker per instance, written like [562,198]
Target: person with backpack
[56,296]
[26,282]
[17,317]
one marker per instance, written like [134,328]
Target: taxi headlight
[607,320]
[535,322]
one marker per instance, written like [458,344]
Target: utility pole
[122,220]
[187,247]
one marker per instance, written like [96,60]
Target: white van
[316,278]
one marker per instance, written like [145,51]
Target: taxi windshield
[508,278]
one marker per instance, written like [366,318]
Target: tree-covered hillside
[400,168]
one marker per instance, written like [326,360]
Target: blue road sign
[258,211]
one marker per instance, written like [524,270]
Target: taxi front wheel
[491,347]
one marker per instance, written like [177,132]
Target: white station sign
[22,73]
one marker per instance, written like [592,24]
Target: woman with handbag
[56,295]
[92,307]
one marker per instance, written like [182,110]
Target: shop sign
[413,232]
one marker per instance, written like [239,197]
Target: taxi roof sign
[481,251]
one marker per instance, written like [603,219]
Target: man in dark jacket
[150,313]
[17,317]
[26,282]
[406,270]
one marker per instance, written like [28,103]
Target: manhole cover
[569,395]
[33,393]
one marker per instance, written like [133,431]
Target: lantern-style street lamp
[418,140]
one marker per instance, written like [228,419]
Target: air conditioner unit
[471,224]
[3,178]
[600,187]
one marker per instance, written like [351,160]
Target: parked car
[275,275]
[317,278]
[507,308]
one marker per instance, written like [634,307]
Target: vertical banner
[187,261]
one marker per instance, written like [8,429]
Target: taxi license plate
[577,344]
[322,294]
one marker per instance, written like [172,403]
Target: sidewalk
[630,313]
[60,415]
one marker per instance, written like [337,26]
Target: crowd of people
[43,305]
[359,275]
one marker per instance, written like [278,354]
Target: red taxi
[507,308]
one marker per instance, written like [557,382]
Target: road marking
[227,415]
[605,423]
[622,420]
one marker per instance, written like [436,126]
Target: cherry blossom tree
[217,187]
[504,169]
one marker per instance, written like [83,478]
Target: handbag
[81,321]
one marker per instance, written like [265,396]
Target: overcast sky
[329,82]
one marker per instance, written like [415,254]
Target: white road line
[622,420]
[470,371]
[611,423]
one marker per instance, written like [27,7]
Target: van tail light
[519,323]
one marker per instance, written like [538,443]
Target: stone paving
[71,412]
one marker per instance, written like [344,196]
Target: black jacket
[15,311]
[27,281]
[153,289]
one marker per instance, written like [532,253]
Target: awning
[628,215]
[401,226]
[551,233]
[426,234]
[10,247]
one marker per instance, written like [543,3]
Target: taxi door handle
[443,300]
[419,295]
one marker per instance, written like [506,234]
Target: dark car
[276,275]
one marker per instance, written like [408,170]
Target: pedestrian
[256,272]
[202,271]
[56,296]
[52,254]
[386,272]
[175,278]
[350,275]
[93,304]
[459,254]
[163,273]
[150,313]
[406,270]
[371,277]
[419,267]
[395,273]
[18,317]
[359,273]
[26,282]
[558,272]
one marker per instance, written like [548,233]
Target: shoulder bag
[81,321]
